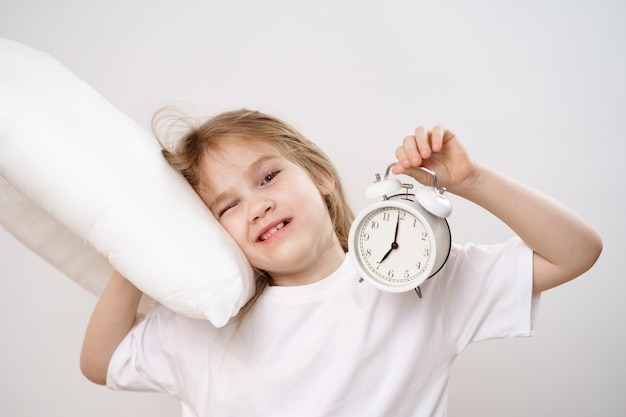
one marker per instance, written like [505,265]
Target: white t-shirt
[337,347]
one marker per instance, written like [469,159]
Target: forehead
[236,153]
[232,159]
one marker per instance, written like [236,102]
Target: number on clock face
[394,245]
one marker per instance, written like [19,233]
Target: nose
[259,208]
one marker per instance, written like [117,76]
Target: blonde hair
[248,125]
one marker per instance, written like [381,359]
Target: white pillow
[86,188]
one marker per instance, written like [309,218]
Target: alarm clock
[402,240]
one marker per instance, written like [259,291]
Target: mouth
[273,230]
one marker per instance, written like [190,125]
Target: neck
[313,271]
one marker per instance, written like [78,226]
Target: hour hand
[385,257]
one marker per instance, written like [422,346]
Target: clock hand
[386,255]
[395,236]
[394,244]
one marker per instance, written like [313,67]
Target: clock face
[393,246]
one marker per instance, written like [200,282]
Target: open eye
[269,177]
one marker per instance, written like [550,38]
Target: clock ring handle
[432,173]
[434,201]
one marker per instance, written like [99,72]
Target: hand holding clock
[440,150]
[564,245]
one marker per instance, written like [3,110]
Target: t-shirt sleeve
[140,363]
[486,292]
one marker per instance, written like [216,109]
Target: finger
[422,137]
[403,160]
[410,147]
[436,138]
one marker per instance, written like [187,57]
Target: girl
[315,340]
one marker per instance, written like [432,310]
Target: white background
[535,89]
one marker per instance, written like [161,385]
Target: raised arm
[112,318]
[564,245]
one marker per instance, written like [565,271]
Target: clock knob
[382,188]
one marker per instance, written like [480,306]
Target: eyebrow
[252,170]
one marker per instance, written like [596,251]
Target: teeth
[272,231]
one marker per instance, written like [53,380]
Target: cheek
[235,228]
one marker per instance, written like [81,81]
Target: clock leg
[418,291]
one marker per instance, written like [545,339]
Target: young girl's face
[273,211]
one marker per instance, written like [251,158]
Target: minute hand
[394,244]
[395,236]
